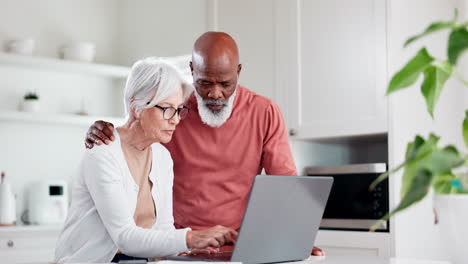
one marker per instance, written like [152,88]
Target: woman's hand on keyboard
[196,251]
[214,237]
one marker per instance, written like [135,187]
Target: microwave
[351,205]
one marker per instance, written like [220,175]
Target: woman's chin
[166,139]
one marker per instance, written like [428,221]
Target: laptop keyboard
[223,256]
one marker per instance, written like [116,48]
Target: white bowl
[21,46]
[80,51]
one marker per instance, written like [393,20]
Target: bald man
[230,135]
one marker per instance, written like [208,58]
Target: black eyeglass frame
[177,110]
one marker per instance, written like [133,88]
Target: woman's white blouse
[100,220]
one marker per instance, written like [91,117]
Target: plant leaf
[422,154]
[434,27]
[443,184]
[384,176]
[411,151]
[465,129]
[434,80]
[457,44]
[410,73]
[413,147]
[419,189]
[418,155]
[446,67]
[432,159]
[442,161]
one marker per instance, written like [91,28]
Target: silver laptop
[280,222]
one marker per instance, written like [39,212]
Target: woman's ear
[133,112]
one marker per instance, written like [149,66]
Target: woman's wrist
[188,239]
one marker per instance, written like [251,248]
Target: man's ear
[239,68]
[191,67]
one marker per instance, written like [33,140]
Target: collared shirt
[100,220]
[214,167]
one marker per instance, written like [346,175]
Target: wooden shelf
[57,119]
[58,65]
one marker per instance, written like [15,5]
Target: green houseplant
[30,102]
[428,165]
[31,96]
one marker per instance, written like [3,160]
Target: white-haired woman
[122,198]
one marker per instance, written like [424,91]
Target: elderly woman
[122,198]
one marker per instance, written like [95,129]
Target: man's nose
[216,93]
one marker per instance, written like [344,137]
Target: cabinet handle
[292,132]
[10,243]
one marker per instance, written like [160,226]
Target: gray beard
[214,118]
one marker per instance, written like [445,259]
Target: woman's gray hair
[151,81]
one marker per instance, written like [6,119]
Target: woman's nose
[175,119]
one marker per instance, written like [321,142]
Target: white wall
[53,23]
[414,232]
[251,24]
[159,28]
[32,152]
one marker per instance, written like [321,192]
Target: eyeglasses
[169,112]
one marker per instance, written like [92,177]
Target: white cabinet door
[353,243]
[331,66]
[30,244]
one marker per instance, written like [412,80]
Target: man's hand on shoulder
[99,132]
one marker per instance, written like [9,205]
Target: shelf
[31,228]
[58,65]
[58,119]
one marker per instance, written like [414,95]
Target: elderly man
[231,135]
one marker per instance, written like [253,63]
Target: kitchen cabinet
[331,67]
[346,243]
[28,243]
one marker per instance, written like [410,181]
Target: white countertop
[331,260]
[367,260]
[339,260]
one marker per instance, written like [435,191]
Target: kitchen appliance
[352,206]
[7,204]
[48,202]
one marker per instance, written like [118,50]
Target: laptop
[280,222]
